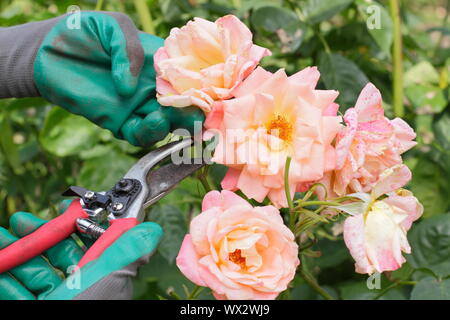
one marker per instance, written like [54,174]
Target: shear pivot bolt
[124,186]
[117,206]
[123,183]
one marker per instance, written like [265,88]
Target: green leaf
[217,172]
[247,5]
[124,146]
[67,134]
[333,253]
[342,74]
[171,219]
[378,22]
[441,156]
[359,291]
[167,276]
[8,147]
[301,291]
[103,172]
[426,99]
[96,151]
[319,10]
[186,196]
[270,21]
[421,73]
[404,273]
[442,131]
[431,289]
[430,186]
[430,245]
[424,128]
[25,103]
[173,9]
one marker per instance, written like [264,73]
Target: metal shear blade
[157,183]
[162,180]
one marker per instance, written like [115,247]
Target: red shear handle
[118,227]
[45,237]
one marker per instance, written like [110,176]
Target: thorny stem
[311,191]
[394,285]
[324,42]
[202,176]
[288,193]
[314,285]
[174,295]
[307,246]
[294,213]
[317,203]
[194,293]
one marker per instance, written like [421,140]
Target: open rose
[369,144]
[239,251]
[204,61]
[274,117]
[376,238]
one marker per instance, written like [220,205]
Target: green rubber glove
[102,70]
[108,277]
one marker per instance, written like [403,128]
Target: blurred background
[44,149]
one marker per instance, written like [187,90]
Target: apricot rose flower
[239,251]
[204,61]
[273,117]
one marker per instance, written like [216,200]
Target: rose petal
[391,179]
[187,261]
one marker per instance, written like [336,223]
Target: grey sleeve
[18,48]
[116,286]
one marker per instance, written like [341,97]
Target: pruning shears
[106,215]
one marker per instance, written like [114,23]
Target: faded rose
[376,238]
[369,144]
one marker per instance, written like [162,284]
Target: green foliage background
[44,149]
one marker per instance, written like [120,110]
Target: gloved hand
[102,71]
[107,277]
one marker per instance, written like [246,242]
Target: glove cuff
[19,45]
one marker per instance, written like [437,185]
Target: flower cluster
[279,136]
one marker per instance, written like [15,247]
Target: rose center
[236,257]
[280,127]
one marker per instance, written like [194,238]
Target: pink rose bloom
[274,117]
[377,237]
[369,144]
[239,251]
[204,61]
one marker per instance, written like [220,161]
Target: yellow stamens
[279,126]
